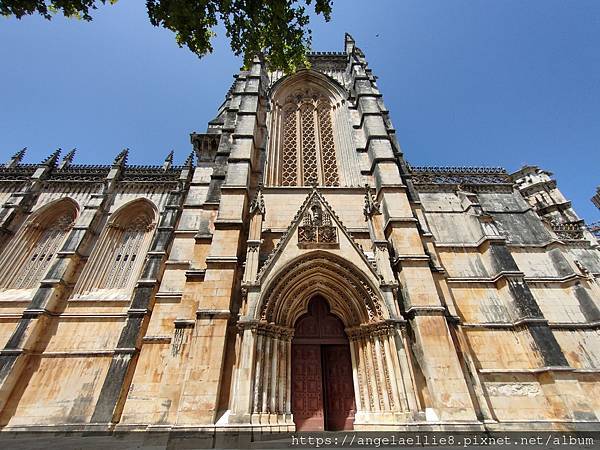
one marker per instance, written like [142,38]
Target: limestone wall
[510,358]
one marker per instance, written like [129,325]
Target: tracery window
[308,155]
[115,263]
[28,257]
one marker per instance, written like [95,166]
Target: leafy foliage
[276,29]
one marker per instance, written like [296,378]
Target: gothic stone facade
[295,273]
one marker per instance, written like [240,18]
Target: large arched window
[27,258]
[311,139]
[308,155]
[117,259]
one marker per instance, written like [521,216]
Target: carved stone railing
[460,175]
[568,230]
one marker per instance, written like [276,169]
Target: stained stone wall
[470,296]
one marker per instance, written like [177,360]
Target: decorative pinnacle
[16,158]
[371,207]
[258,203]
[189,162]
[168,161]
[121,158]
[68,159]
[349,43]
[51,160]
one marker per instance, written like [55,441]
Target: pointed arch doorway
[321,366]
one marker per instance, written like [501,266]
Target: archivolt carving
[351,296]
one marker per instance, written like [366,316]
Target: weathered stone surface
[173,295]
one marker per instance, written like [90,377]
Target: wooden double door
[322,385]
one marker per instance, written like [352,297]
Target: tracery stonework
[193,296]
[308,155]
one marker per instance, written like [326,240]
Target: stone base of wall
[422,435]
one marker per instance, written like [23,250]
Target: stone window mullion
[299,133]
[289,153]
[115,264]
[40,257]
[309,150]
[318,148]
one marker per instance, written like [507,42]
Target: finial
[68,159]
[168,161]
[349,43]
[121,158]
[371,207]
[258,202]
[16,158]
[51,160]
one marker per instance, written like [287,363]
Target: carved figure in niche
[316,226]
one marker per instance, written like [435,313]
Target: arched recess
[351,294]
[380,374]
[27,258]
[310,134]
[117,259]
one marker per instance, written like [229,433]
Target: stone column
[242,397]
[258,378]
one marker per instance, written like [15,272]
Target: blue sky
[479,82]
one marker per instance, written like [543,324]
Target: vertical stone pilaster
[242,136]
[259,374]
[244,381]
[436,353]
[392,377]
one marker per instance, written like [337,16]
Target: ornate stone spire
[258,203]
[189,162]
[349,43]
[168,161]
[16,158]
[121,158]
[68,159]
[51,160]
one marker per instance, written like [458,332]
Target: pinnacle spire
[67,159]
[189,162]
[52,159]
[168,161]
[258,202]
[121,158]
[16,158]
[349,43]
